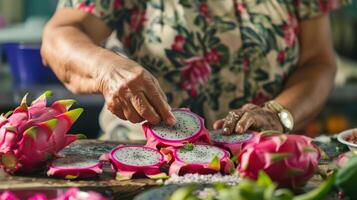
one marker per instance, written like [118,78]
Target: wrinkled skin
[250,116]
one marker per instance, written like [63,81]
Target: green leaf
[320,192]
[185,3]
[189,146]
[282,194]
[223,26]
[264,179]
[200,22]
[182,193]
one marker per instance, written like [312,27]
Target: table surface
[105,182]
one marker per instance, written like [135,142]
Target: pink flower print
[289,35]
[259,99]
[178,43]
[195,72]
[246,64]
[118,4]
[326,6]
[212,56]
[137,20]
[203,8]
[293,22]
[87,8]
[281,56]
[240,7]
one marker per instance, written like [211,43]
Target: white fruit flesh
[187,125]
[200,154]
[74,162]
[234,138]
[137,156]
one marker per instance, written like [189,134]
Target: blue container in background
[26,65]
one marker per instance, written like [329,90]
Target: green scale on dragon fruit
[189,128]
[32,135]
[201,158]
[289,160]
[232,142]
[131,161]
[75,167]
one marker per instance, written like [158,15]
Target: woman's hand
[250,116]
[83,66]
[133,94]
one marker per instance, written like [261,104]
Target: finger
[119,113]
[218,124]
[230,121]
[249,106]
[162,93]
[161,107]
[130,112]
[144,108]
[245,122]
[114,106]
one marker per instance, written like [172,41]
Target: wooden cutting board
[106,181]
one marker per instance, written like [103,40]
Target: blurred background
[21,69]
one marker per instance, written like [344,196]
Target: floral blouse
[211,55]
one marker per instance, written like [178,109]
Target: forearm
[73,56]
[307,90]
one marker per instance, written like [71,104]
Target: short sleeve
[307,9]
[107,10]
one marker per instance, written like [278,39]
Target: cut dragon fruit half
[189,128]
[75,167]
[202,159]
[137,160]
[232,142]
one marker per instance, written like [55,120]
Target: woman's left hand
[249,116]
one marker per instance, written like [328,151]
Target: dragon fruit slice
[289,160]
[189,128]
[202,159]
[232,142]
[74,167]
[137,160]
[32,135]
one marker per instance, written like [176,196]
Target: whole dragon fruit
[289,160]
[189,128]
[74,167]
[32,135]
[137,160]
[199,158]
[232,142]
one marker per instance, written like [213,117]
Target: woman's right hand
[132,93]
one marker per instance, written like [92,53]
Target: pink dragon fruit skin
[155,140]
[32,135]
[8,196]
[127,169]
[70,194]
[76,194]
[67,167]
[233,142]
[220,163]
[290,160]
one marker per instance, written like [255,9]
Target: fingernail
[239,129]
[171,120]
